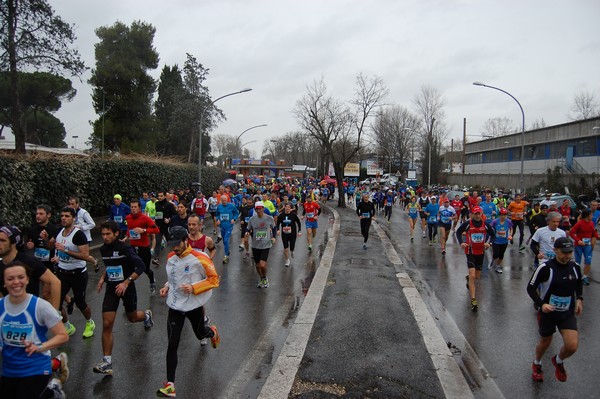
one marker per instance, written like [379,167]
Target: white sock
[558,360]
[538,362]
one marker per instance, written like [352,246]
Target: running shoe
[167,391]
[155,261]
[522,248]
[424,235]
[219,239]
[260,283]
[153,288]
[241,247]
[90,326]
[538,374]
[430,243]
[265,282]
[63,369]
[585,280]
[309,247]
[204,342]
[474,304]
[560,372]
[443,251]
[491,265]
[246,255]
[287,262]
[467,278]
[103,367]
[70,306]
[225,259]
[215,231]
[389,222]
[215,340]
[498,270]
[149,322]
[70,328]
[364,246]
[412,239]
[434,240]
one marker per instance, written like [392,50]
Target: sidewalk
[372,335]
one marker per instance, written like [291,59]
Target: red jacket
[143,221]
[583,229]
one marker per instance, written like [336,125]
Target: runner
[165,210]
[477,234]
[289,226]
[72,250]
[213,202]
[457,204]
[139,227]
[365,210]
[517,210]
[503,229]
[542,242]
[192,276]
[123,267]
[199,205]
[560,300]
[245,213]
[412,210]
[585,235]
[388,202]
[310,212]
[226,215]
[423,202]
[431,211]
[197,239]
[25,321]
[260,228]
[118,212]
[447,214]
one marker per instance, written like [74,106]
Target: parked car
[558,198]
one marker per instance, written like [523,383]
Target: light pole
[237,141]
[522,129]
[210,104]
[390,160]
[429,152]
[75,145]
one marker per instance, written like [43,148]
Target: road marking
[281,378]
[451,378]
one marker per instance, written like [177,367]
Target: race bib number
[42,254]
[119,219]
[432,219]
[560,303]
[287,229]
[366,215]
[310,215]
[446,219]
[224,217]
[586,241]
[158,216]
[260,235]
[477,238]
[133,235]
[518,215]
[63,256]
[501,233]
[115,273]
[549,255]
[412,211]
[13,333]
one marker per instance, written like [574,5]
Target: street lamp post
[210,104]
[429,152]
[522,128]
[237,141]
[390,160]
[75,145]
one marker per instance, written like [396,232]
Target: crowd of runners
[51,262]
[44,270]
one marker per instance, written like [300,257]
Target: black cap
[563,244]
[14,234]
[543,206]
[176,235]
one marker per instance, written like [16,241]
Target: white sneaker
[287,262]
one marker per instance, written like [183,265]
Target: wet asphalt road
[503,332]
[252,322]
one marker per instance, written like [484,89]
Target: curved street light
[237,140]
[522,130]
[210,104]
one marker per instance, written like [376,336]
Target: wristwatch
[130,279]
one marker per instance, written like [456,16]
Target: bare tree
[538,124]
[585,106]
[429,106]
[498,126]
[339,127]
[393,134]
[224,146]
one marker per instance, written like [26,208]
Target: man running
[478,235]
[365,210]
[191,278]
[503,229]
[197,239]
[226,215]
[447,214]
[584,235]
[388,203]
[311,211]
[542,242]
[431,211]
[289,226]
[556,290]
[423,202]
[260,228]
[122,267]
[517,210]
[139,227]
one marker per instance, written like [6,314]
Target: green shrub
[26,182]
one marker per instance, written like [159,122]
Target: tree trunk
[15,102]
[339,177]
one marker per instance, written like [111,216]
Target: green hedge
[24,183]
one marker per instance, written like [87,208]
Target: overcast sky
[541,51]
